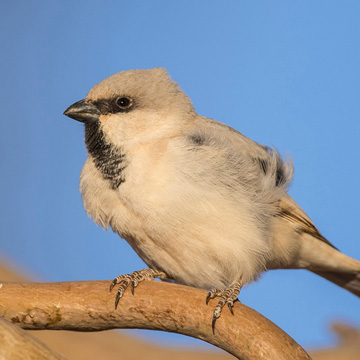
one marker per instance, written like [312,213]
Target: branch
[89,306]
[18,344]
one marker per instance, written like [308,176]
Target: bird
[199,202]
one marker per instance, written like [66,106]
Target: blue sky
[284,73]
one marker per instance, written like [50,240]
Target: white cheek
[116,127]
[138,127]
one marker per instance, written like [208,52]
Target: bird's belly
[204,249]
[195,239]
[183,261]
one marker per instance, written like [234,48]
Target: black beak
[83,111]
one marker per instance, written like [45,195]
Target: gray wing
[263,155]
[243,160]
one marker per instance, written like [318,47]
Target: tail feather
[314,252]
[347,280]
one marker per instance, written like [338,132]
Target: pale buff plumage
[193,197]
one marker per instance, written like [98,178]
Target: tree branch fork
[89,306]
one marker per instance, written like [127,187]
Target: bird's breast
[176,223]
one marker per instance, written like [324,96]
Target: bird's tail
[331,264]
[315,253]
[349,281]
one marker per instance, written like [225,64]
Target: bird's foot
[227,296]
[134,279]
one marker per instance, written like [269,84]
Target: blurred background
[284,73]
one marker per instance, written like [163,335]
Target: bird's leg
[227,296]
[134,279]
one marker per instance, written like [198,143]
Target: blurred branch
[17,344]
[89,306]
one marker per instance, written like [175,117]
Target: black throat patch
[107,158]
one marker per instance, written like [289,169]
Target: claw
[117,299]
[213,324]
[231,308]
[134,279]
[227,296]
[208,297]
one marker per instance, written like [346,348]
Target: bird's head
[134,105]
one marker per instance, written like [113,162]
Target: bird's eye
[123,102]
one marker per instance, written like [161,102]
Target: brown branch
[17,344]
[88,306]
